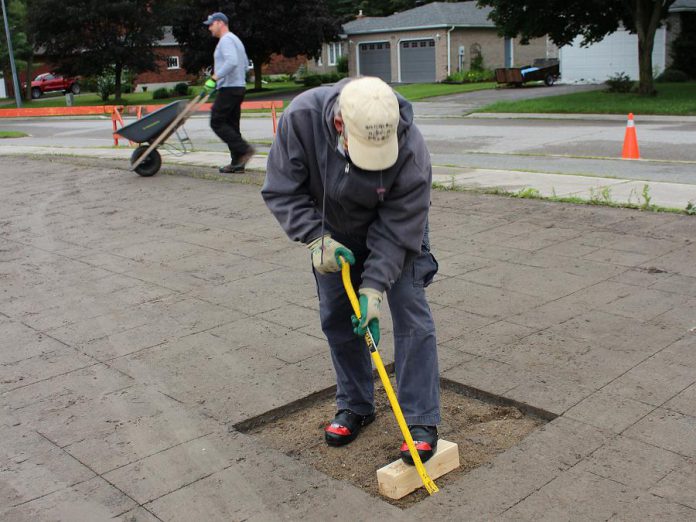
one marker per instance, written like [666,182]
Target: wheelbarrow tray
[151,126]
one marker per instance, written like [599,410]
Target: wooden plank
[396,480]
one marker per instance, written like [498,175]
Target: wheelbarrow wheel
[150,165]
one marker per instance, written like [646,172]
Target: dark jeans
[224,119]
[415,346]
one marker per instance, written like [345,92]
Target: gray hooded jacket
[309,179]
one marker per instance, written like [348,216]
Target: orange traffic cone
[630,147]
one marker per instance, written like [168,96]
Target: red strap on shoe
[338,430]
[422,446]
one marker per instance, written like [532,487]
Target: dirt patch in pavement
[481,430]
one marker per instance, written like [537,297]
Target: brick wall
[324,67]
[280,64]
[163,74]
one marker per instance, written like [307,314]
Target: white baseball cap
[370,114]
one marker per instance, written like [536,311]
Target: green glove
[210,85]
[370,305]
[330,260]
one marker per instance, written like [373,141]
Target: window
[172,62]
[335,52]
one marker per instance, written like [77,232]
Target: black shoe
[231,169]
[237,164]
[345,427]
[425,440]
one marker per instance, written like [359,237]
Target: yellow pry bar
[427,481]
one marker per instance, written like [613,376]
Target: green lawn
[12,134]
[672,98]
[145,98]
[419,91]
[411,92]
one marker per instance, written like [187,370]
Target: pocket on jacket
[424,269]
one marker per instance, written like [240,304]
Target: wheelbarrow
[153,130]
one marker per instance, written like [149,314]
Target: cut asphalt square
[143,319]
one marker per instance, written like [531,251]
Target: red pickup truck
[49,82]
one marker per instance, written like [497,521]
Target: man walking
[230,77]
[349,175]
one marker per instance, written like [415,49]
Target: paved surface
[615,189]
[142,319]
[563,155]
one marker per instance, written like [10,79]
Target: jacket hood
[405,112]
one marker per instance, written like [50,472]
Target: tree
[564,20]
[93,37]
[264,26]
[684,47]
[21,42]
[348,9]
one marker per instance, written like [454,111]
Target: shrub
[312,80]
[342,64]
[105,86]
[88,84]
[620,82]
[161,93]
[477,62]
[673,75]
[684,47]
[470,76]
[181,89]
[331,77]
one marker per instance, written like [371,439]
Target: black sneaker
[231,169]
[345,427]
[239,163]
[425,440]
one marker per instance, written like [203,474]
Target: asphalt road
[538,145]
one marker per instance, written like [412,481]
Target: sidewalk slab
[587,188]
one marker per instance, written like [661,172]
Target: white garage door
[617,53]
[374,59]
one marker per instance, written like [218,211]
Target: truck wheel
[150,165]
[75,88]
[549,80]
[36,93]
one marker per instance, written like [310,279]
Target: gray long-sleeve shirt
[304,165]
[230,61]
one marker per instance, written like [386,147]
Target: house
[169,70]
[618,52]
[430,42]
[327,61]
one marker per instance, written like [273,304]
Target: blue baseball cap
[216,16]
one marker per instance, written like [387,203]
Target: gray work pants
[415,347]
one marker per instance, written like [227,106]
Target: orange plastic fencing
[57,111]
[116,112]
[143,110]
